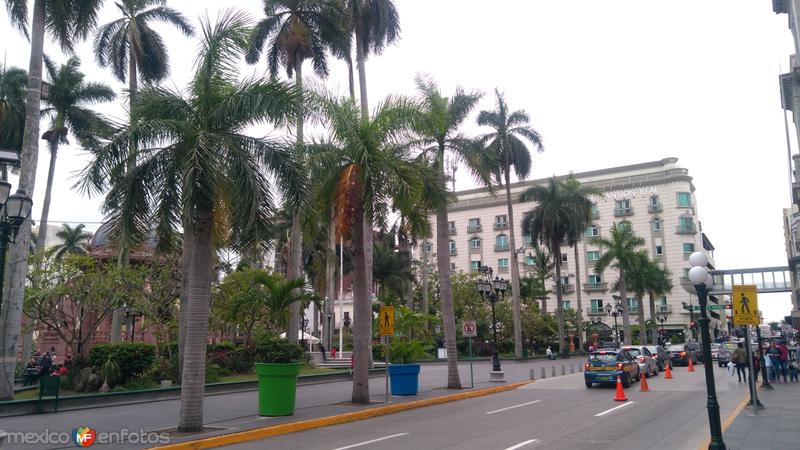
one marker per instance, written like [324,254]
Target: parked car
[661,355]
[715,351]
[604,366]
[697,350]
[647,364]
[680,354]
[726,350]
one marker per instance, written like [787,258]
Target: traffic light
[692,324]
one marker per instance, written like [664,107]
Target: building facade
[655,199]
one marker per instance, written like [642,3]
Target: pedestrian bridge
[767,279]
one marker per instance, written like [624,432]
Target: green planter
[277,386]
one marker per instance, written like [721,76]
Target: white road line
[522,444]
[614,409]
[512,407]
[370,442]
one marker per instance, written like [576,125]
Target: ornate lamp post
[615,311]
[14,210]
[131,315]
[661,316]
[492,290]
[703,281]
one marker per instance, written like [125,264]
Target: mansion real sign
[624,194]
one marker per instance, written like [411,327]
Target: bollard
[553,371]
[563,370]
[532,377]
[572,368]
[543,374]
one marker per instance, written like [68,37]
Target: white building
[656,199]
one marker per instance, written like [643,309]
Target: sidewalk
[777,426]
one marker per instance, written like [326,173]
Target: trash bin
[441,353]
[525,353]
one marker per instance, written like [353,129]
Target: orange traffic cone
[643,385]
[668,376]
[620,392]
[691,366]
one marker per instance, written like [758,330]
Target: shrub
[134,358]
[272,350]
[402,352]
[214,372]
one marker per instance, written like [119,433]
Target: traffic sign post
[469,329]
[745,305]
[386,322]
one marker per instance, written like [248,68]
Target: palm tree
[579,196]
[620,253]
[659,283]
[367,169]
[375,25]
[73,241]
[391,269]
[66,103]
[67,22]
[194,161]
[507,145]
[552,221]
[438,136]
[296,30]
[12,109]
[542,269]
[638,282]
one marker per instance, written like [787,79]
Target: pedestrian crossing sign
[387,320]
[745,305]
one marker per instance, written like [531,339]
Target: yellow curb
[729,420]
[293,427]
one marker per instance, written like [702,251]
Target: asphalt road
[558,413]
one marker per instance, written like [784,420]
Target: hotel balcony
[686,229]
[623,212]
[501,248]
[595,287]
[597,312]
[664,309]
[651,208]
[501,226]
[451,231]
[567,288]
[473,228]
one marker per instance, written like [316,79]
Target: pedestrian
[549,353]
[45,365]
[333,352]
[775,361]
[756,366]
[793,371]
[784,359]
[322,351]
[740,359]
[30,372]
[68,363]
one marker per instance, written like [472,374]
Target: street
[558,413]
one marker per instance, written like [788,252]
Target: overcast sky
[606,83]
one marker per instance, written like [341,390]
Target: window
[594,279]
[684,200]
[633,304]
[475,265]
[452,247]
[563,257]
[688,247]
[566,304]
[565,280]
[686,224]
[656,224]
[662,301]
[501,220]
[475,242]
[502,263]
[501,242]
[654,201]
[592,255]
[597,304]
[474,225]
[623,207]
[529,260]
[686,273]
[527,238]
[595,211]
[451,226]
[625,225]
[452,267]
[592,231]
[659,250]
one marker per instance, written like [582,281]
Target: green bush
[277,350]
[140,383]
[402,352]
[214,372]
[134,358]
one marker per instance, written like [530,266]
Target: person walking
[783,357]
[549,353]
[756,366]
[322,351]
[740,359]
[44,367]
[774,356]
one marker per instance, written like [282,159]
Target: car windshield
[729,346]
[633,351]
[675,348]
[603,357]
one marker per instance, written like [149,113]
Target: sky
[605,83]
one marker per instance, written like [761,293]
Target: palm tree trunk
[186,269]
[362,78]
[424,306]
[330,287]
[642,327]
[654,331]
[445,288]
[626,321]
[351,79]
[296,260]
[362,310]
[515,303]
[555,248]
[579,319]
[199,293]
[48,194]
[17,262]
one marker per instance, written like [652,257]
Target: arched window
[501,242]
[452,247]
[475,242]
[625,225]
[656,225]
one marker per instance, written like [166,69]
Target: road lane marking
[512,407]
[370,442]
[614,409]
[522,444]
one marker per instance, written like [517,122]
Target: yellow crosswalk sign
[745,305]
[386,320]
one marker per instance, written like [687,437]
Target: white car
[647,363]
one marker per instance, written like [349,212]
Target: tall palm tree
[552,221]
[542,269]
[507,146]
[439,136]
[12,109]
[194,161]
[67,22]
[296,30]
[639,282]
[367,170]
[579,196]
[621,248]
[73,241]
[659,283]
[66,103]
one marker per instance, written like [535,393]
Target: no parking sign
[469,328]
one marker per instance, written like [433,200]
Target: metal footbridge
[767,279]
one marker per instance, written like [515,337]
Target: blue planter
[404,378]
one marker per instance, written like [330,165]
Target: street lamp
[131,314]
[703,281]
[615,311]
[492,290]
[14,211]
[662,317]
